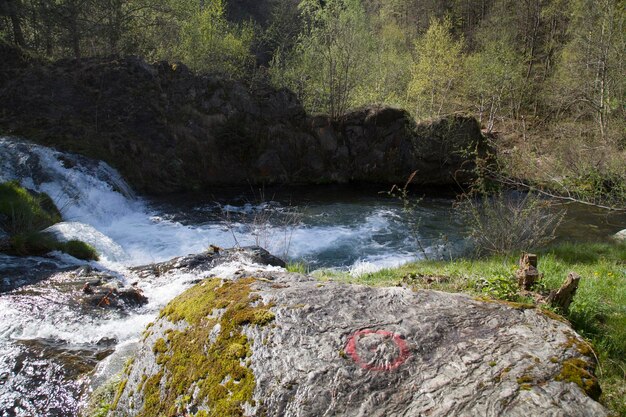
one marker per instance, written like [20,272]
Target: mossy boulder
[275,344]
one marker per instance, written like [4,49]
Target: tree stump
[527,274]
[562,298]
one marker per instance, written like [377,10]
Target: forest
[545,78]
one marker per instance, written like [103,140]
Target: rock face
[166,129]
[284,344]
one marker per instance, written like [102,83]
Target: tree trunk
[13,7]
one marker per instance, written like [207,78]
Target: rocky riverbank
[167,129]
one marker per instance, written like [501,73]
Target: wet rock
[112,297]
[283,344]
[206,261]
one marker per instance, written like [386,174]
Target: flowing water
[50,343]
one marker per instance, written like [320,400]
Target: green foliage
[330,57]
[589,80]
[436,70]
[502,287]
[493,79]
[209,43]
[23,211]
[300,267]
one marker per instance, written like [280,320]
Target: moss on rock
[580,372]
[202,371]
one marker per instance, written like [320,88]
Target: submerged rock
[284,344]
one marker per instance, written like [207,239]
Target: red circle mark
[351,349]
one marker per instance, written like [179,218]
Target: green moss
[160,346]
[512,304]
[579,372]
[80,250]
[492,363]
[100,401]
[582,347]
[524,379]
[192,363]
[525,387]
[554,316]
[118,395]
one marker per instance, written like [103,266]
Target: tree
[589,81]
[436,69]
[208,42]
[12,9]
[330,56]
[493,78]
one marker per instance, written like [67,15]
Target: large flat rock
[286,345]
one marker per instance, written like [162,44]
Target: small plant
[271,227]
[498,286]
[299,267]
[409,207]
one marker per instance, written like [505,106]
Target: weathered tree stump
[527,275]
[562,298]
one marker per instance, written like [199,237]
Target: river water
[51,346]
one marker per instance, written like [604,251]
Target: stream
[54,347]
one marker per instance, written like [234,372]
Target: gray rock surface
[345,350]
[620,236]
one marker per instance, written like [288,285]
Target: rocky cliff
[167,129]
[279,344]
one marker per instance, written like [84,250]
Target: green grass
[598,311]
[298,267]
[24,213]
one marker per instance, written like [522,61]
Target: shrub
[507,222]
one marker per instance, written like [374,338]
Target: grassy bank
[23,216]
[598,312]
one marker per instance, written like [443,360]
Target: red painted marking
[351,349]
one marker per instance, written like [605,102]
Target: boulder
[284,344]
[167,129]
[620,236]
